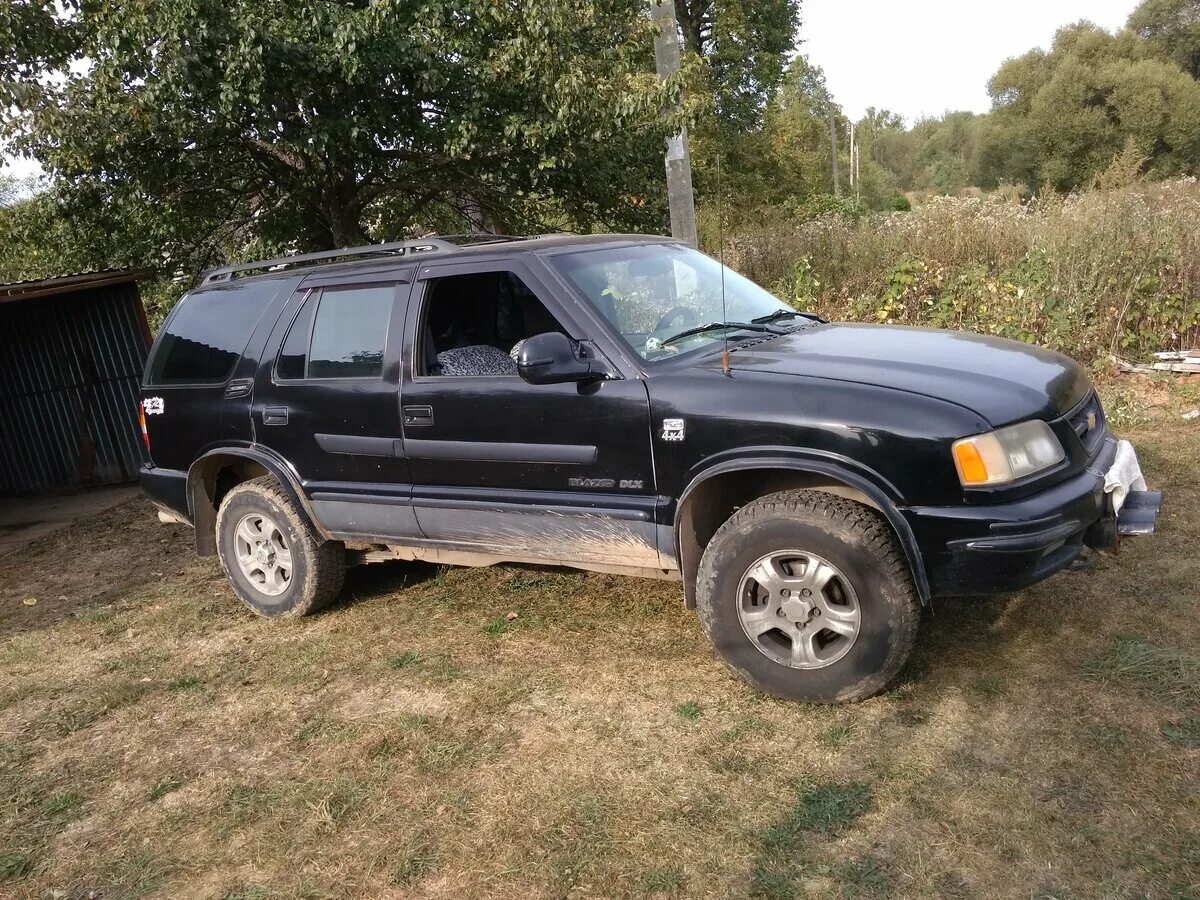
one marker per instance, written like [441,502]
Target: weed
[61,803]
[989,685]
[1185,732]
[662,881]
[864,876]
[183,683]
[690,710]
[836,735]
[92,614]
[502,625]
[405,660]
[824,809]
[1160,672]
[13,865]
[418,861]
[163,787]
[772,885]
[1107,738]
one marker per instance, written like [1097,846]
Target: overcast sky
[920,57]
[924,57]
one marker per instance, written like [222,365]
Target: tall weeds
[1108,271]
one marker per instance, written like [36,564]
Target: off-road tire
[318,566]
[855,539]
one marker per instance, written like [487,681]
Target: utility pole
[679,162]
[837,180]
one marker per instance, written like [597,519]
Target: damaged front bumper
[990,549]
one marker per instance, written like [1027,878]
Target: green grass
[662,881]
[690,710]
[989,685]
[183,683]
[1163,673]
[823,808]
[405,660]
[163,787]
[61,803]
[13,865]
[1185,733]
[417,862]
[836,735]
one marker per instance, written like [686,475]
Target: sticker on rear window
[153,406]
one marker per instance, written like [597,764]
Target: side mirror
[550,359]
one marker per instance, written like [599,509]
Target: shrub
[1108,271]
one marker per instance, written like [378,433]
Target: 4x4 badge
[672,430]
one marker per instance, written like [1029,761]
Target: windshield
[659,296]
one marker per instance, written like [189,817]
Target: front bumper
[1005,547]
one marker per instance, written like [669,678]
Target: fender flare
[199,503]
[881,492]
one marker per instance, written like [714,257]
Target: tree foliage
[745,44]
[1061,117]
[1173,26]
[226,126]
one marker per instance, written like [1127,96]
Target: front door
[328,404]
[529,472]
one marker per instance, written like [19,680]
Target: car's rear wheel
[808,596]
[277,565]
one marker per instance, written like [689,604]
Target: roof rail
[400,248]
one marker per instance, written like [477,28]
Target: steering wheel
[690,316]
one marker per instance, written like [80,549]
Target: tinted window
[208,333]
[349,332]
[294,355]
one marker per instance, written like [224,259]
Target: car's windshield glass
[660,297]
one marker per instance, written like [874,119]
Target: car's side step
[1139,512]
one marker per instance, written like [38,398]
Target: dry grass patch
[157,741]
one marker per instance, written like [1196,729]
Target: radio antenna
[721,259]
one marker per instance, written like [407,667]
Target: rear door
[326,401]
[196,388]
[530,472]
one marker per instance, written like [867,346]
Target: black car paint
[584,473]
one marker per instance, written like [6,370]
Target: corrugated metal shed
[72,350]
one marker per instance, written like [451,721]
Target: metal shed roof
[64,284]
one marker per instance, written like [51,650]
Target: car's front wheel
[808,596]
[276,564]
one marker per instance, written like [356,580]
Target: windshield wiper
[760,327]
[789,313]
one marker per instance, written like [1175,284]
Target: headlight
[1007,454]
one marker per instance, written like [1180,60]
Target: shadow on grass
[375,580]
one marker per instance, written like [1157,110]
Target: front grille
[1087,421]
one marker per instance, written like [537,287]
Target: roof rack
[399,248]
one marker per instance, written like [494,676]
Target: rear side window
[206,336]
[339,333]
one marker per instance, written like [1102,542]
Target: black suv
[624,404]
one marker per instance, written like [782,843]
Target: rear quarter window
[205,337]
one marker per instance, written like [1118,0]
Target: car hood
[1001,380]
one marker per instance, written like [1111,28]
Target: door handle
[418,415]
[275,415]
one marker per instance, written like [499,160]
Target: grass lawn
[416,740]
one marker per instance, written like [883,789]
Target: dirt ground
[413,741]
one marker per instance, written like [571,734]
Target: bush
[900,203]
[1109,271]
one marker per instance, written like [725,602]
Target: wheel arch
[717,492]
[219,469]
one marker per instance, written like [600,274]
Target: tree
[1061,117]
[745,44]
[227,127]
[1173,26]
